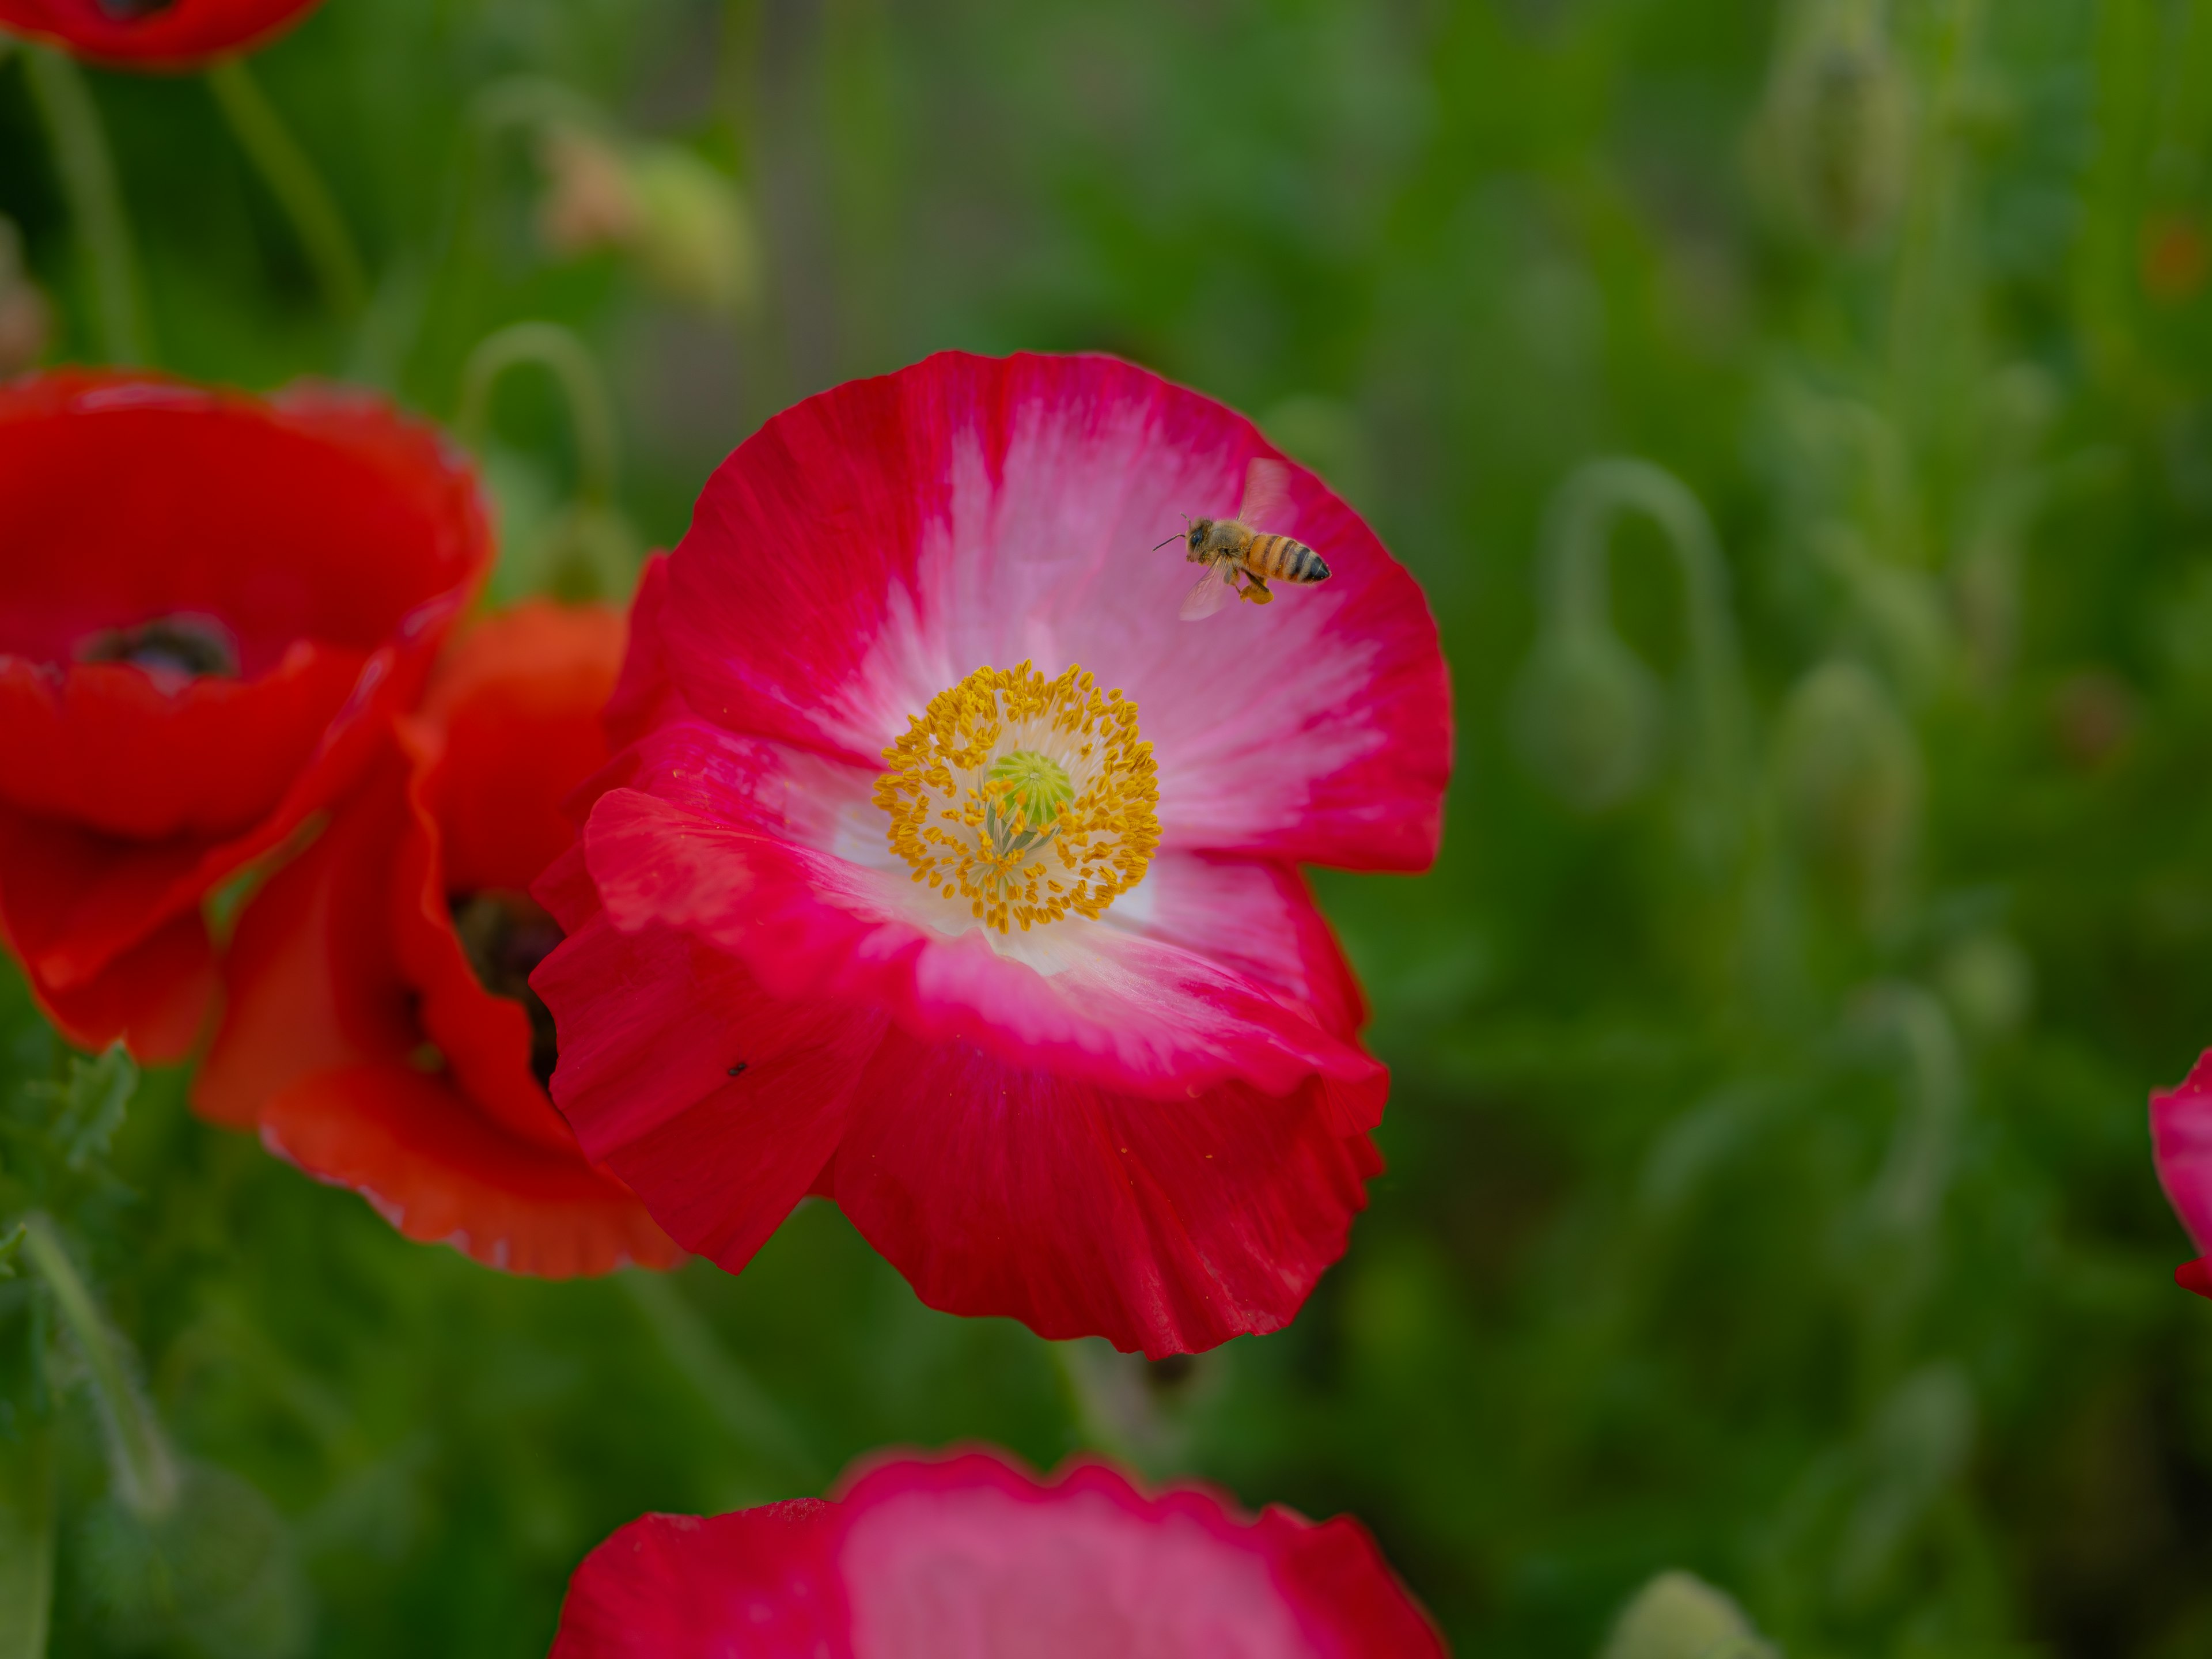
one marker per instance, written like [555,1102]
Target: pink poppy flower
[2181,1136]
[948,874]
[969,1558]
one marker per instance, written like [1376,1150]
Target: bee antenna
[1156,546]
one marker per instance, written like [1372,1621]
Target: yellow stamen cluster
[1029,797]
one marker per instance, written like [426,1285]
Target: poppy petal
[677,1074]
[214,607]
[684,1587]
[182,35]
[869,547]
[440,1173]
[1123,1010]
[2181,1138]
[969,1556]
[154,998]
[1166,1224]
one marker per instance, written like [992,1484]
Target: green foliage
[1770,1193]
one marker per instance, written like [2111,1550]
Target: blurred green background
[1827,877]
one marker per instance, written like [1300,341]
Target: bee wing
[1214,590]
[1266,488]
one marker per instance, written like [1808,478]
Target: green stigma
[1037,784]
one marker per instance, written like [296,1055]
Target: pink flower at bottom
[2181,1138]
[968,1558]
[949,875]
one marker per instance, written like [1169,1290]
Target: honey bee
[1229,548]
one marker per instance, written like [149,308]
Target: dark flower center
[184,644]
[130,11]
[507,935]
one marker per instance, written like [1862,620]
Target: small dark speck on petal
[737,1068]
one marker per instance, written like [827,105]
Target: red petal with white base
[1212,969]
[969,1557]
[1193,1202]
[1169,1224]
[1150,1122]
[869,547]
[1119,1009]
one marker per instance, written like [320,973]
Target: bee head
[1193,537]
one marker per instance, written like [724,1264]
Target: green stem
[145,1473]
[95,200]
[26,1542]
[558,350]
[1908,1196]
[1577,594]
[292,179]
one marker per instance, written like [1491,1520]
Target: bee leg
[1256,590]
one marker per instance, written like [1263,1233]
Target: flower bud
[1990,983]
[590,203]
[1589,716]
[1838,125]
[697,238]
[1679,1616]
[681,220]
[1849,774]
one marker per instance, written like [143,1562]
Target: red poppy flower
[947,874]
[2181,1136]
[210,609]
[156,35]
[970,1559]
[381,1029]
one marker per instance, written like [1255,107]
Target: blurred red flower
[2175,256]
[380,1030]
[2181,1139]
[155,34]
[1101,1074]
[968,1558]
[210,609]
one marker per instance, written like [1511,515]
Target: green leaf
[89,1107]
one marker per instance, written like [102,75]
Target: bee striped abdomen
[1279,558]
